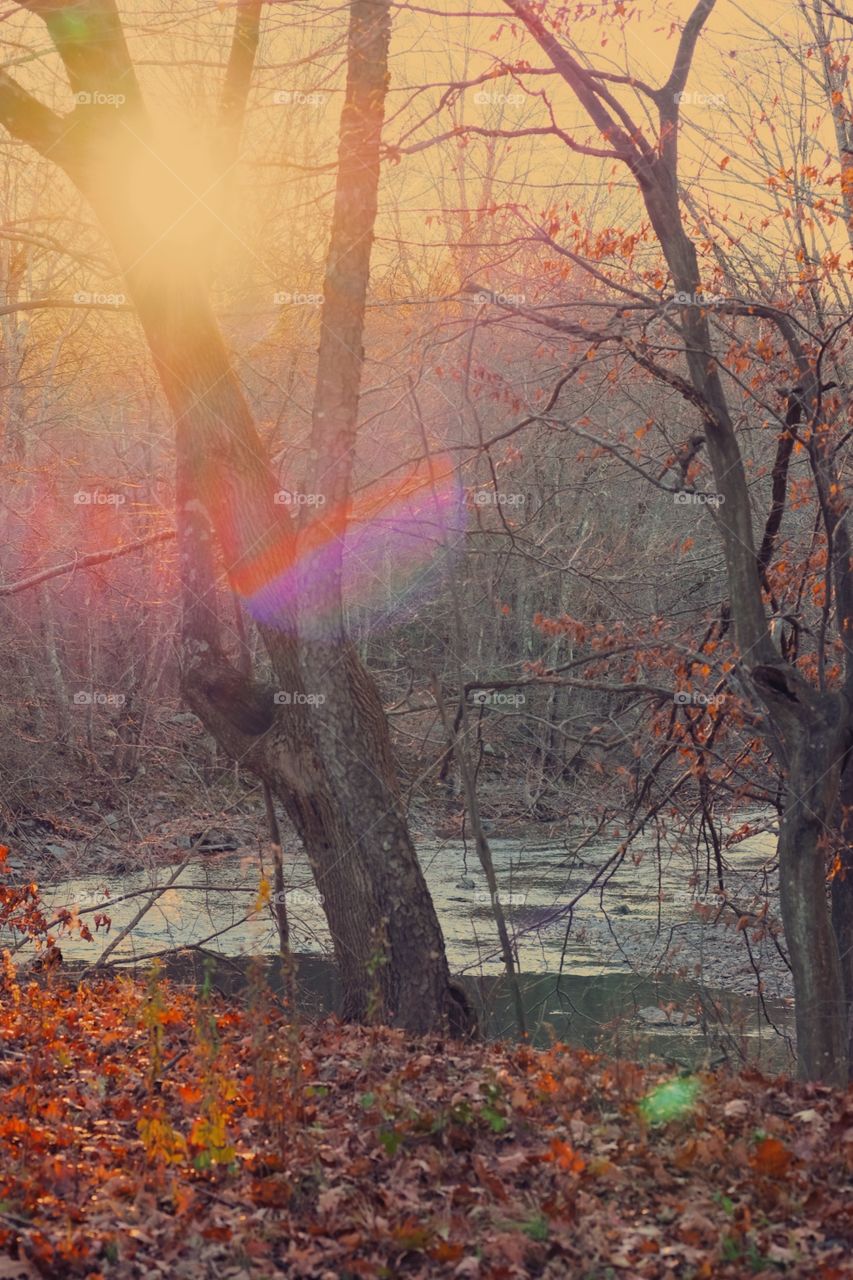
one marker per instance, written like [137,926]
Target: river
[578,982]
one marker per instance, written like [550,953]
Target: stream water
[578,983]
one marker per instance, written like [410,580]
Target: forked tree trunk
[330,765]
[332,770]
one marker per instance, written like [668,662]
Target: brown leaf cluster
[145,1132]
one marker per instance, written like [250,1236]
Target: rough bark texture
[810,807]
[332,769]
[842,894]
[330,765]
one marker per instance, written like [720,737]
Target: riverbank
[655,918]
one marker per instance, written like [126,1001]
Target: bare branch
[89,38]
[686,48]
[601,106]
[394,152]
[30,121]
[669,97]
[83,562]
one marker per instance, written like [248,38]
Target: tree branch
[83,562]
[394,151]
[89,38]
[601,106]
[30,121]
[686,48]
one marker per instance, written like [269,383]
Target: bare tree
[330,765]
[808,727]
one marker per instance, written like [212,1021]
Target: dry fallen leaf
[808,1116]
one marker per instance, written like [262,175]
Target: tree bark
[332,771]
[810,808]
[841,888]
[330,764]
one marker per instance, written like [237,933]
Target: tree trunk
[807,730]
[332,770]
[54,668]
[842,896]
[809,810]
[330,765]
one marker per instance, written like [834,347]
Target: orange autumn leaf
[565,1156]
[547,1083]
[217,1232]
[771,1158]
[446,1251]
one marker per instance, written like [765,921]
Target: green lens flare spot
[72,26]
[670,1100]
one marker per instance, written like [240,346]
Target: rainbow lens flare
[380,544]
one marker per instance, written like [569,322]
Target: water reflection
[597,1013]
[579,984]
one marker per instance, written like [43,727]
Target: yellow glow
[165,193]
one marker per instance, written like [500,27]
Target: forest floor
[149,1130]
[100,820]
[153,821]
